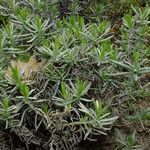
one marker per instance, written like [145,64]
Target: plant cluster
[89,79]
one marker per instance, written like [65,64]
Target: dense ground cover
[74,75]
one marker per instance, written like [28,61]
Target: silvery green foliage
[129,142]
[80,59]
